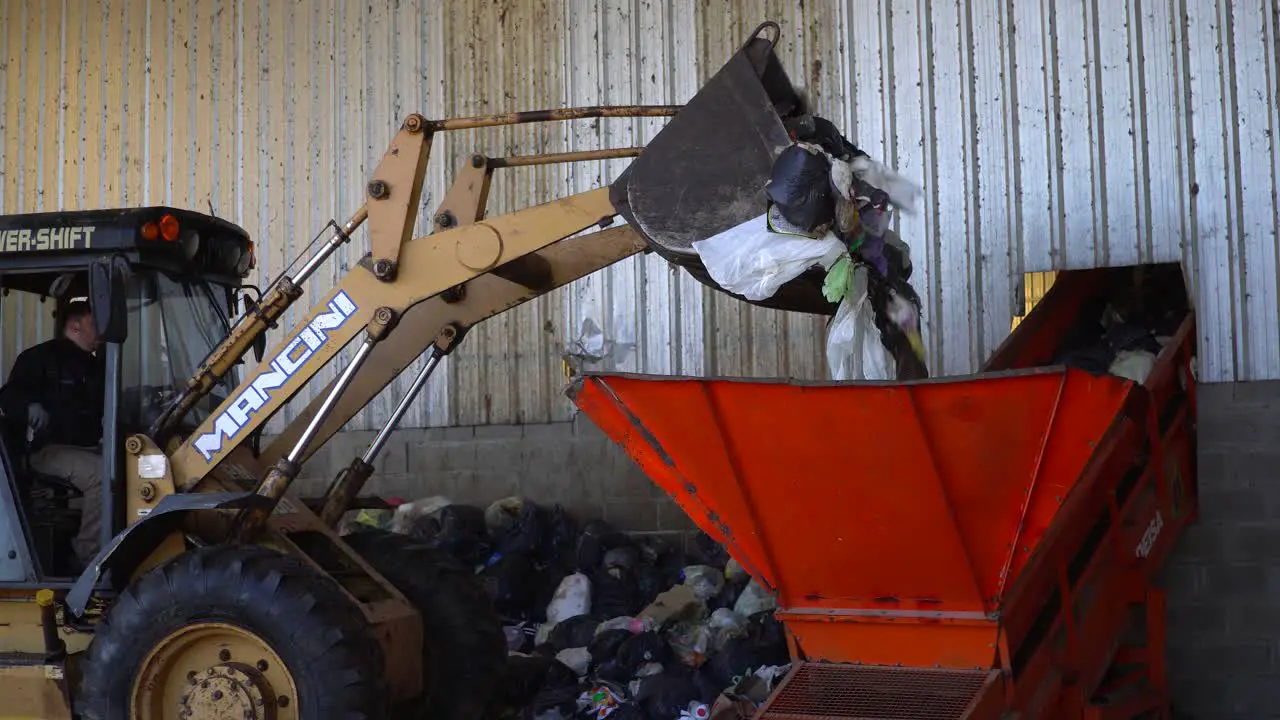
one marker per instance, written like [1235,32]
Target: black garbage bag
[898,261]
[706,551]
[764,644]
[652,548]
[614,593]
[709,687]
[800,185]
[605,646]
[635,651]
[647,647]
[549,580]
[523,677]
[559,538]
[458,530]
[629,711]
[1095,359]
[665,695]
[598,537]
[575,632]
[880,291]
[728,594]
[823,132]
[518,525]
[672,564]
[559,690]
[613,671]
[622,556]
[1125,336]
[511,581]
[649,582]
[520,637]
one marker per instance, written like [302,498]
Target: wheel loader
[217,592]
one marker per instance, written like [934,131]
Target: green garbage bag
[836,284]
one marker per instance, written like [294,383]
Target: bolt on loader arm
[408,295]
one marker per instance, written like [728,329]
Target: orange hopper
[923,539]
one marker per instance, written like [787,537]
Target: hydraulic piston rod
[348,483]
[282,474]
[282,293]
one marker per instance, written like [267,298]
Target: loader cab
[163,284]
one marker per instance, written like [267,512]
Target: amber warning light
[167,229]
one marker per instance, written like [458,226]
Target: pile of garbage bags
[601,624]
[1122,331]
[830,206]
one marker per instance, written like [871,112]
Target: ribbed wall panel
[1045,135]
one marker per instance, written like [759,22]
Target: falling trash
[753,261]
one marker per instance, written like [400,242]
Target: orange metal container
[943,524]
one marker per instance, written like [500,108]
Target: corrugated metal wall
[1046,136]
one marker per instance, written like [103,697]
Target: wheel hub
[228,692]
[214,671]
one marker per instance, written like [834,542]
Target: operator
[57,386]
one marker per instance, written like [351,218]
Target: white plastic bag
[576,659]
[405,515]
[754,599]
[854,350]
[901,191]
[725,625]
[705,581]
[754,262]
[572,598]
[1135,365]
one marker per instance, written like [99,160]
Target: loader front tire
[464,650]
[235,631]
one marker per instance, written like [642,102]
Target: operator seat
[46,501]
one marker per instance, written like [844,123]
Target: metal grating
[861,692]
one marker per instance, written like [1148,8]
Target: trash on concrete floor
[600,624]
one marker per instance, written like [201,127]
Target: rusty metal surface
[393,620]
[566,157]
[853,692]
[521,117]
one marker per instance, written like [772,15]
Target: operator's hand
[37,417]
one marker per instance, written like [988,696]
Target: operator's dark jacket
[68,382]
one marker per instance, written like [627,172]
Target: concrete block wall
[1224,577]
[571,463]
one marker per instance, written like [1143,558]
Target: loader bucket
[706,170]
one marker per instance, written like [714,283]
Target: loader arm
[406,296]
[479,299]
